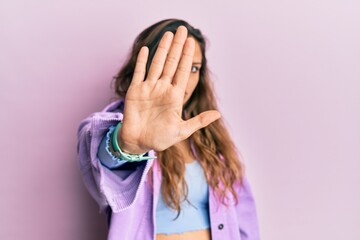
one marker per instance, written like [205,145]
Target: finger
[183,70]
[193,124]
[140,67]
[158,61]
[174,55]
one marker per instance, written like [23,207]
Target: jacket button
[221,226]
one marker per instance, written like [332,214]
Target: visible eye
[194,69]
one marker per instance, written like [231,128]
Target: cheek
[192,83]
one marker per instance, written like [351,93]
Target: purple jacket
[133,200]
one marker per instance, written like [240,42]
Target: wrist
[132,155]
[127,143]
[129,148]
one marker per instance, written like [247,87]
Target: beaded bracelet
[126,156]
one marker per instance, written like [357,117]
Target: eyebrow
[197,63]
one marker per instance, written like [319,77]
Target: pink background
[287,76]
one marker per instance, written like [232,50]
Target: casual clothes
[133,199]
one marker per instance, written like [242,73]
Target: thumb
[188,127]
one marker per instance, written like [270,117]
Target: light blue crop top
[194,216]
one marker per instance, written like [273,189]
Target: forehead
[197,54]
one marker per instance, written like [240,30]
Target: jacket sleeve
[247,214]
[105,156]
[116,188]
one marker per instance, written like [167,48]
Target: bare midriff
[203,234]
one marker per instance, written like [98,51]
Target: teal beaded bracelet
[126,156]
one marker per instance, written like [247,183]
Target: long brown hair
[213,146]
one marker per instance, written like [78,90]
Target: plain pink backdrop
[287,76]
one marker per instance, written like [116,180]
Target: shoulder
[102,120]
[115,106]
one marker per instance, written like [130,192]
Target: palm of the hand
[153,114]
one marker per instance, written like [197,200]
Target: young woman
[159,160]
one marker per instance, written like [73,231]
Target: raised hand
[153,107]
